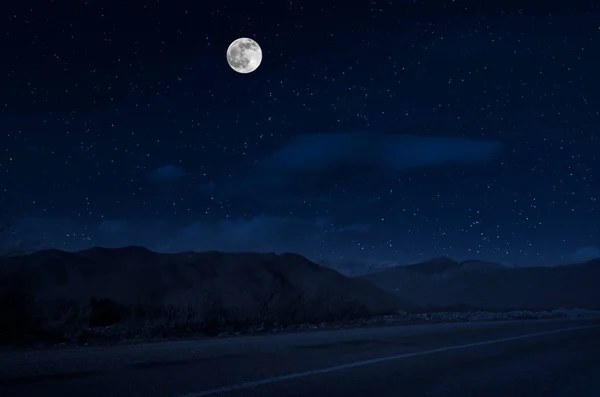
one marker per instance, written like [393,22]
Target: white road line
[296,375]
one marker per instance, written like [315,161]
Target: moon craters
[244,55]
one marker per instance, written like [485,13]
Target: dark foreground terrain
[519,358]
[133,293]
[129,294]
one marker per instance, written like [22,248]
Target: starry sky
[372,131]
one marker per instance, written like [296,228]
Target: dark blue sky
[369,132]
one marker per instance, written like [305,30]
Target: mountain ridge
[443,282]
[105,286]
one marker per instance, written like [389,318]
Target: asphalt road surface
[528,358]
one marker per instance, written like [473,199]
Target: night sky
[370,132]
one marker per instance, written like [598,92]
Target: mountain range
[446,283]
[62,293]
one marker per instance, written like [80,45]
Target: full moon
[244,55]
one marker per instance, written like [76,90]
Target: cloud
[316,152]
[32,233]
[316,162]
[355,228]
[115,227]
[208,187]
[261,233]
[583,254]
[165,173]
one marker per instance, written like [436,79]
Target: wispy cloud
[316,152]
[583,254]
[259,233]
[355,228]
[168,172]
[316,162]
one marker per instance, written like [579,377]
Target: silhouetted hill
[111,286]
[445,283]
[589,265]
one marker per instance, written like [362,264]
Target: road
[527,358]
